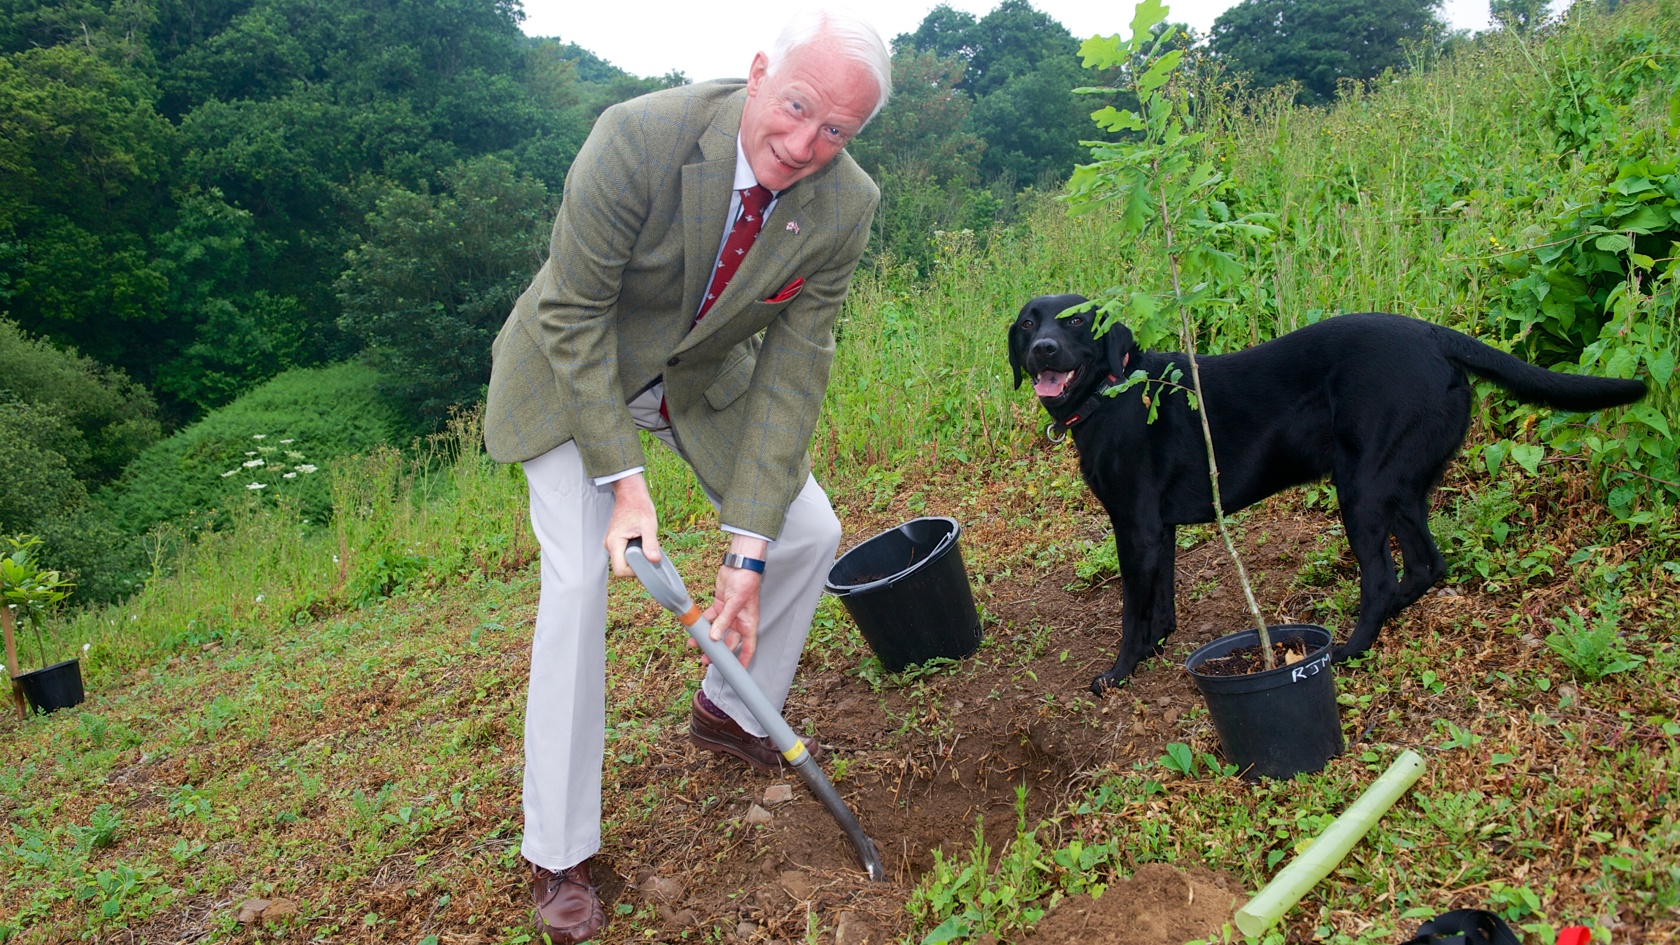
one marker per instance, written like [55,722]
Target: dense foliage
[180,182]
[1317,43]
[275,444]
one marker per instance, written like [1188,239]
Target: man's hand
[633,517]
[734,614]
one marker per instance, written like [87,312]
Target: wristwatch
[733,560]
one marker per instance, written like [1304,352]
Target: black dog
[1379,403]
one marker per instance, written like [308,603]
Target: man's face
[797,120]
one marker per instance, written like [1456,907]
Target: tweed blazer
[640,221]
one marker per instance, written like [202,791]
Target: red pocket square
[788,291]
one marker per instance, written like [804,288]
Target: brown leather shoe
[711,729]
[568,911]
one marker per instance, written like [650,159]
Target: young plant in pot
[28,592]
[1269,690]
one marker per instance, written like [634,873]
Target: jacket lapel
[706,187]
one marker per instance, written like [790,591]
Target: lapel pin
[793,227]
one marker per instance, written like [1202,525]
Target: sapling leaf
[1160,71]
[1145,16]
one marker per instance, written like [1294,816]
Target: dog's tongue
[1051,383]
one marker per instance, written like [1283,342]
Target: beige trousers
[565,710]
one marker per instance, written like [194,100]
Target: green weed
[1592,652]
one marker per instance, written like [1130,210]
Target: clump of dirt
[1158,905]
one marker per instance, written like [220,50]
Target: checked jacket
[630,255]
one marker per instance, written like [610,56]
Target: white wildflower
[288,441]
[291,454]
[258,436]
[256,485]
[251,463]
[293,475]
[306,467]
[250,452]
[260,597]
[235,472]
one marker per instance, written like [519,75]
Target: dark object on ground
[907,591]
[54,687]
[1465,927]
[1378,403]
[1272,723]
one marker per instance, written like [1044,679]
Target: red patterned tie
[741,236]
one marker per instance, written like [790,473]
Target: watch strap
[733,560]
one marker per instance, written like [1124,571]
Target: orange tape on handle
[688,619]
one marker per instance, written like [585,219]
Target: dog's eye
[1076,320]
[1027,324]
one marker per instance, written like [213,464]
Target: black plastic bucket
[54,687]
[908,593]
[1277,723]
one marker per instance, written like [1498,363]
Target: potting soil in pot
[1248,660]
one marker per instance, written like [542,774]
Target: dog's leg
[1379,587]
[1146,558]
[1422,561]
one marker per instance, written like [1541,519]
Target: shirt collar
[744,176]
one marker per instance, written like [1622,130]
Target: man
[676,300]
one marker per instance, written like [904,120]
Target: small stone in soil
[661,889]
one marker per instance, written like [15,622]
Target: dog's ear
[1017,347]
[1117,343]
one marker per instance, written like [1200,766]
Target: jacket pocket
[732,379]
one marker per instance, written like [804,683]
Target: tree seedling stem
[1188,337]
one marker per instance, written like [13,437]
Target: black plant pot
[1280,722]
[55,687]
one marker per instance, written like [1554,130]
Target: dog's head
[1065,361]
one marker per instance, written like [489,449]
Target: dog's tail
[1578,392]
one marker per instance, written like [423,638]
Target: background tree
[1021,69]
[1318,42]
[435,279]
[68,425]
[1520,15]
[181,180]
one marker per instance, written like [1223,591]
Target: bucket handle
[949,537]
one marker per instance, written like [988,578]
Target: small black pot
[1277,723]
[54,687]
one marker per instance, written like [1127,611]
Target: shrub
[274,444]
[102,418]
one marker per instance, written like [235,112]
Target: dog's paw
[1109,680]
[1342,654]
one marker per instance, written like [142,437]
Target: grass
[332,712]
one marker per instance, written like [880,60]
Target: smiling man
[705,241]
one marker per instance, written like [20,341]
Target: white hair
[853,36]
